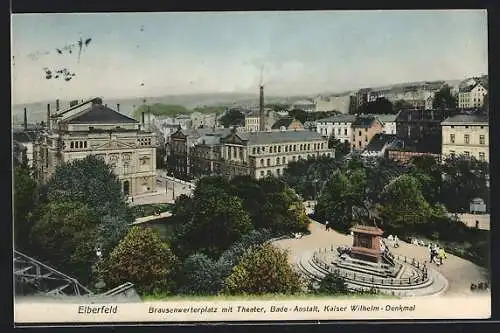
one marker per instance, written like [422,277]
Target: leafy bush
[332,284]
[143,259]
[263,269]
[200,275]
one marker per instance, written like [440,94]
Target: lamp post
[100,283]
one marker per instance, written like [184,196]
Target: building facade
[91,128]
[389,123]
[466,135]
[263,154]
[420,127]
[287,124]
[364,129]
[333,103]
[472,96]
[339,126]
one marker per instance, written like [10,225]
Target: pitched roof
[283,122]
[340,118]
[420,115]
[99,114]
[363,122]
[379,140]
[262,138]
[386,118]
[467,118]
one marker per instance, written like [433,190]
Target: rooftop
[283,122]
[97,114]
[466,118]
[420,115]
[341,118]
[363,122]
[262,138]
[380,140]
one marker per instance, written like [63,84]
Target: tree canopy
[25,205]
[232,117]
[444,99]
[263,269]
[143,259]
[379,106]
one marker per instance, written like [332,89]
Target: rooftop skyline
[155,54]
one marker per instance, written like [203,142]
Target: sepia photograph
[250,166]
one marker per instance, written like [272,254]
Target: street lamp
[100,283]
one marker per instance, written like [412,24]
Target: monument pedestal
[367,244]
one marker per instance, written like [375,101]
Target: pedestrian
[327,226]
[431,252]
[442,253]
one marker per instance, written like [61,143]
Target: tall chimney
[25,119]
[57,104]
[143,117]
[262,123]
[118,107]
[48,116]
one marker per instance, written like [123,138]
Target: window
[283,160]
[345,131]
[452,126]
[91,128]
[366,129]
[366,138]
[279,149]
[466,153]
[359,133]
[277,160]
[481,140]
[482,156]
[278,171]
[294,147]
[262,173]
[72,144]
[286,149]
[268,172]
[466,138]
[322,145]
[452,138]
[254,150]
[452,153]
[85,144]
[338,131]
[359,143]
[268,162]
[262,162]
[466,126]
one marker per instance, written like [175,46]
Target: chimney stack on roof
[143,118]
[25,119]
[118,107]
[57,104]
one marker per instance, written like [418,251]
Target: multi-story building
[472,93]
[205,154]
[252,122]
[333,103]
[91,128]
[416,127]
[200,120]
[259,154]
[364,129]
[339,126]
[466,135]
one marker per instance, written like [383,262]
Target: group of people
[394,240]
[437,254]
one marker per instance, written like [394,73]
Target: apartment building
[339,126]
[364,128]
[466,135]
[472,94]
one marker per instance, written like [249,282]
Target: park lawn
[149,209]
[269,297]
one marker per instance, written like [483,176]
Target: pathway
[459,272]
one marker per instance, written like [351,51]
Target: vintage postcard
[250,166]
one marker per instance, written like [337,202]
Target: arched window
[72,145]
[283,160]
[277,160]
[268,162]
[262,162]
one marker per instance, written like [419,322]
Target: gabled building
[380,143]
[205,158]
[364,129]
[466,135]
[415,125]
[389,122]
[91,128]
[472,94]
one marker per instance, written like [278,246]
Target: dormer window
[91,128]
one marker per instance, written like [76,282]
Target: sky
[300,52]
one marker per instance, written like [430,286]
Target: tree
[464,179]
[263,270]
[379,106]
[232,117]
[380,174]
[143,259]
[25,205]
[65,237]
[218,221]
[444,99]
[200,275]
[428,171]
[400,105]
[92,182]
[332,284]
[403,205]
[298,114]
[341,148]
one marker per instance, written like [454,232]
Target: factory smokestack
[262,123]
[48,116]
[143,117]
[25,119]
[57,104]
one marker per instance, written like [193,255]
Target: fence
[414,280]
